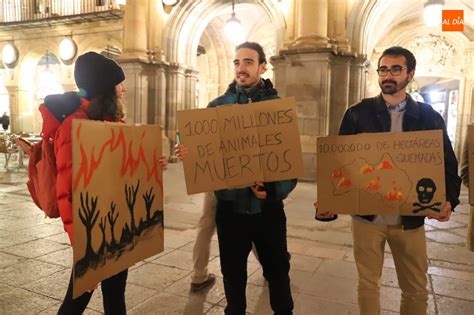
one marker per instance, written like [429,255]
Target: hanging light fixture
[9,54]
[432,12]
[168,5]
[233,28]
[67,49]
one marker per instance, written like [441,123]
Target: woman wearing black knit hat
[100,83]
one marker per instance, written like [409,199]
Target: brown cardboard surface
[236,145]
[470,139]
[382,173]
[117,199]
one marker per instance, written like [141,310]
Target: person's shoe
[211,278]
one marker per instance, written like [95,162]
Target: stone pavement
[35,260]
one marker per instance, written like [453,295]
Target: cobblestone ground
[35,260]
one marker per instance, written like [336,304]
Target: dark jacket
[244,200]
[5,121]
[371,115]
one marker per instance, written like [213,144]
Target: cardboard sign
[470,145]
[234,146]
[382,173]
[117,199]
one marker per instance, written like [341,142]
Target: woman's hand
[181,151]
[163,161]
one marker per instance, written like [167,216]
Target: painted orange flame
[336,174]
[386,165]
[130,164]
[344,182]
[394,195]
[374,184]
[367,169]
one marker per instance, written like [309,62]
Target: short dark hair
[400,51]
[254,46]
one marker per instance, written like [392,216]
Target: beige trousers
[202,246]
[470,230]
[411,263]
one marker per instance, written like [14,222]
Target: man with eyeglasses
[394,110]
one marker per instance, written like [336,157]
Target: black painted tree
[112,217]
[148,197]
[103,246]
[131,198]
[89,215]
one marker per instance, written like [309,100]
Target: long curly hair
[106,106]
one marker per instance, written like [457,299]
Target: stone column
[13,99]
[312,24]
[191,78]
[157,101]
[146,95]
[306,75]
[136,97]
[157,89]
[358,80]
[135,30]
[174,98]
[340,77]
[337,25]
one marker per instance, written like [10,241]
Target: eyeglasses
[395,70]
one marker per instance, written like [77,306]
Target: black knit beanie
[96,74]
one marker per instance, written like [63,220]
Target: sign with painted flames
[117,199]
[382,173]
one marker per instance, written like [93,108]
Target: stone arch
[374,25]
[26,103]
[369,21]
[185,27]
[212,78]
[98,42]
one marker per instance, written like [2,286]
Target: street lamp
[67,49]
[9,54]
[233,28]
[170,2]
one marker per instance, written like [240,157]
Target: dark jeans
[267,230]
[113,296]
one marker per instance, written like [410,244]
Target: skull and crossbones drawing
[426,188]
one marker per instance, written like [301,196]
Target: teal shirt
[244,200]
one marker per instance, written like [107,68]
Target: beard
[394,87]
[249,80]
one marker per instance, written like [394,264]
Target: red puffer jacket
[63,152]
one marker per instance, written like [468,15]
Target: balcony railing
[14,11]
